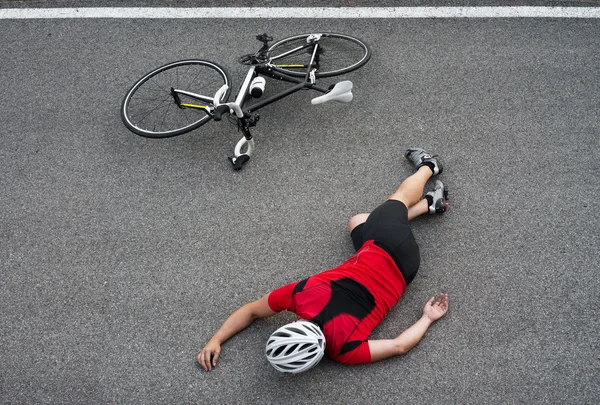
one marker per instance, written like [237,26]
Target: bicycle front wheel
[152,108]
[336,54]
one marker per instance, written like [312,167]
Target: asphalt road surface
[121,256]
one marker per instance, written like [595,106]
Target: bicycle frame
[266,71]
[247,116]
[154,108]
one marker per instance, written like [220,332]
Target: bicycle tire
[148,109]
[340,54]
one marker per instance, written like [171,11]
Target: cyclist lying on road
[339,308]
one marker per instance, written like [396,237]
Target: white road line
[302,12]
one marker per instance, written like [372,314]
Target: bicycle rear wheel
[337,54]
[150,109]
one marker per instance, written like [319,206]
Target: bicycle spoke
[146,114]
[164,117]
[157,87]
[148,99]
[193,80]
[337,54]
[149,108]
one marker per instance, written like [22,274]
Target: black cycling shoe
[418,157]
[438,198]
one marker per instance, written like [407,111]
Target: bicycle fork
[239,158]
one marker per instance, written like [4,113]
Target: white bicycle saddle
[341,92]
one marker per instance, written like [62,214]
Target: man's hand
[382,349]
[208,357]
[236,322]
[435,310]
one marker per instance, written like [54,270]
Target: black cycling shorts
[388,227]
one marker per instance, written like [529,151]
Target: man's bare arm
[382,349]
[237,321]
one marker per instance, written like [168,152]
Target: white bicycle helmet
[295,347]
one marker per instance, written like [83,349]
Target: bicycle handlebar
[219,95]
[218,112]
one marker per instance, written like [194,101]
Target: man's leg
[387,226]
[357,220]
[410,192]
[420,208]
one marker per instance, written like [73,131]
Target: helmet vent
[295,347]
[299,331]
[310,356]
[286,367]
[291,349]
[278,351]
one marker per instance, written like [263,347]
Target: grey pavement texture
[291,3]
[121,256]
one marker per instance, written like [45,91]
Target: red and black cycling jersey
[347,302]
